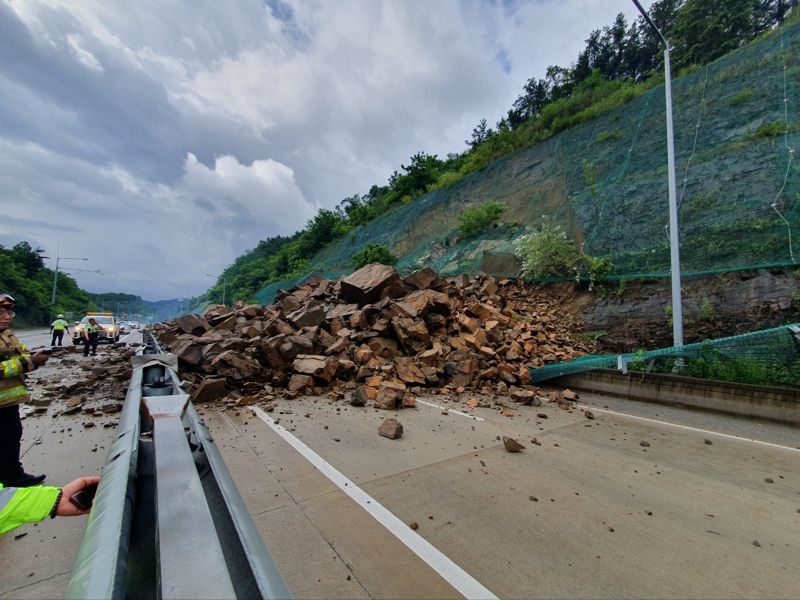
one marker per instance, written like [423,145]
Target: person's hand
[40,358]
[65,507]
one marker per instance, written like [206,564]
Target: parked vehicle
[109,328]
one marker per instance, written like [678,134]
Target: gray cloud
[161,140]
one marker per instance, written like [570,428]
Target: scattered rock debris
[379,339]
[512,445]
[414,525]
[391,428]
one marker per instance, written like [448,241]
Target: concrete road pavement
[588,513]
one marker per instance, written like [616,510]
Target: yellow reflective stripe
[11,367]
[14,392]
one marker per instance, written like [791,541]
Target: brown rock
[358,397]
[391,428]
[299,382]
[192,324]
[412,333]
[569,395]
[383,347]
[236,366]
[511,444]
[525,397]
[407,371]
[228,324]
[390,395]
[365,285]
[422,279]
[188,352]
[320,367]
[209,389]
[309,315]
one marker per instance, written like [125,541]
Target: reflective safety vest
[25,505]
[15,361]
[89,328]
[59,325]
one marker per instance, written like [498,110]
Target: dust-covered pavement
[600,507]
[596,504]
[67,429]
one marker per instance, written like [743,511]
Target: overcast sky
[161,140]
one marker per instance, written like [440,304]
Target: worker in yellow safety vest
[57,328]
[91,337]
[29,505]
[15,361]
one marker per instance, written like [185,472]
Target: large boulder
[365,285]
[234,365]
[192,324]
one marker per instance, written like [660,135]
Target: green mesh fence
[604,182]
[767,357]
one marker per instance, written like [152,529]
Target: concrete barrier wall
[776,404]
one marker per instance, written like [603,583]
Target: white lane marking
[726,435]
[446,568]
[448,409]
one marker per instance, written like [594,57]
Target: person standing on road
[19,506]
[91,337]
[57,328]
[15,361]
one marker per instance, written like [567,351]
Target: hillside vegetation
[583,148]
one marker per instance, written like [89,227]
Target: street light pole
[224,286]
[59,258]
[674,243]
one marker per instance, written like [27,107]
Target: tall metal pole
[674,242]
[55,282]
[59,258]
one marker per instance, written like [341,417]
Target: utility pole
[59,258]
[674,243]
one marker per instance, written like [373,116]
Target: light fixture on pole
[674,244]
[59,258]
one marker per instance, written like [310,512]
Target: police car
[108,327]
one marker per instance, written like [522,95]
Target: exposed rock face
[378,337]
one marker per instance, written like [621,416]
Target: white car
[109,328]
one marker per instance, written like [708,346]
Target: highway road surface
[639,502]
[37,338]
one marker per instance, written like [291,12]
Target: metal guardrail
[168,520]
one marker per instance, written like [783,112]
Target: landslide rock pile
[378,335]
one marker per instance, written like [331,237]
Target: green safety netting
[770,357]
[604,182]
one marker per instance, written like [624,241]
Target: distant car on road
[109,328]
[124,327]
